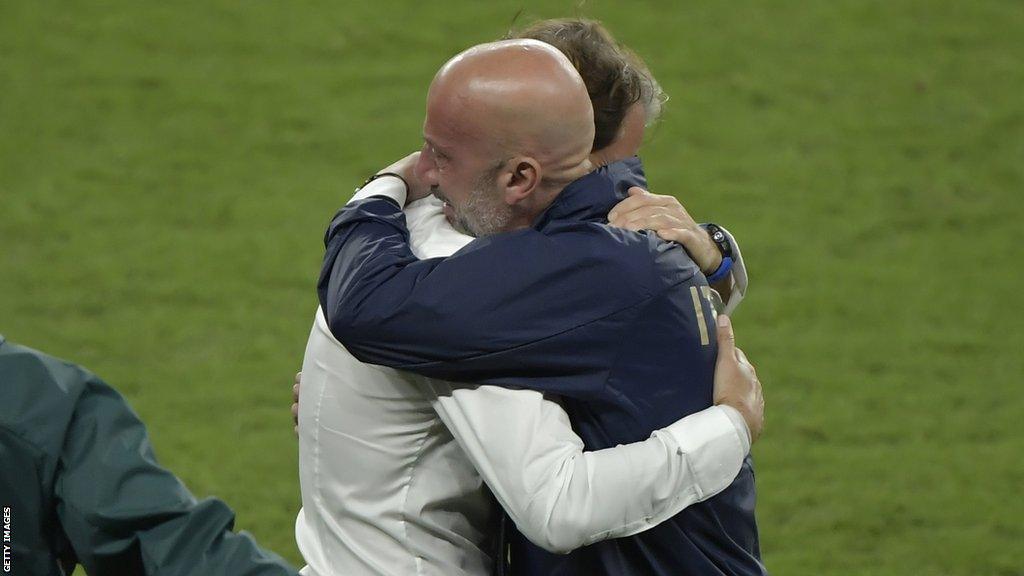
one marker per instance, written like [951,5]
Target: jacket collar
[591,197]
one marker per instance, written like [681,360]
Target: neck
[611,153]
[601,158]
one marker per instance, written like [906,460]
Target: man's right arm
[562,497]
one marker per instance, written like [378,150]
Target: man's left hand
[406,168]
[670,220]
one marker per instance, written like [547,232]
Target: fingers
[680,235]
[726,338]
[745,364]
[736,382]
[648,218]
[634,201]
[651,212]
[298,377]
[742,358]
[638,198]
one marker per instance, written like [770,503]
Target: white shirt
[394,468]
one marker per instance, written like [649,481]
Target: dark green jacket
[79,483]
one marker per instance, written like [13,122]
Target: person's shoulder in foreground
[81,485]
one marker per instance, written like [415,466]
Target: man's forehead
[442,128]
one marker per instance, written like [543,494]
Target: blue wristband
[723,270]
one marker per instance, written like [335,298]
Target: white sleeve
[561,497]
[737,278]
[389,186]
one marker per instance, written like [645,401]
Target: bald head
[508,125]
[517,97]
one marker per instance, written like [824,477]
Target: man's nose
[424,170]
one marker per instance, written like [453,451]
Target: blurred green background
[167,171]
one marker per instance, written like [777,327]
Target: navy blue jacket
[613,321]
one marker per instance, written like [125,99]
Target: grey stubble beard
[483,213]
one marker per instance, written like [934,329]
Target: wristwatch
[721,240]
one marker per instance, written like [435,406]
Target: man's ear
[521,180]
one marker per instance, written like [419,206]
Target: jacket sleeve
[562,497]
[503,310]
[125,514]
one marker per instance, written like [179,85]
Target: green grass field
[167,171]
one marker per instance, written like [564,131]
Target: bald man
[616,323]
[525,112]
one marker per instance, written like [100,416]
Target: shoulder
[39,391]
[23,364]
[640,262]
